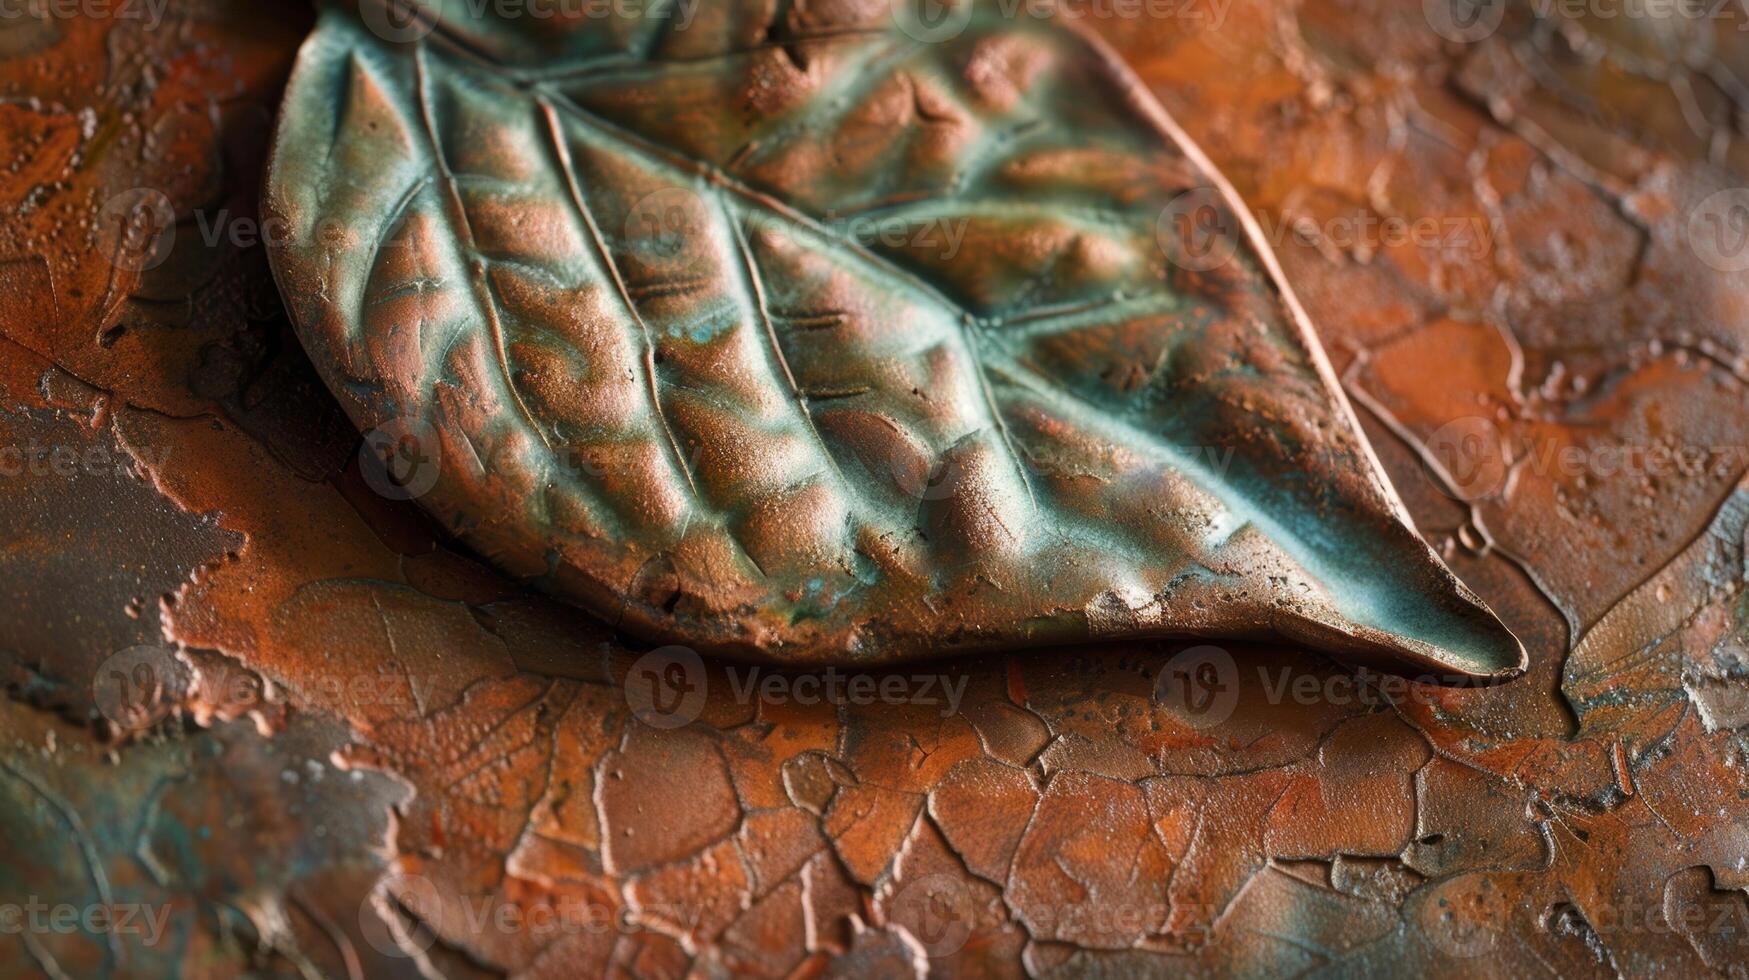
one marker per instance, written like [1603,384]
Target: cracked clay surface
[362,752]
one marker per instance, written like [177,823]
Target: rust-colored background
[383,759]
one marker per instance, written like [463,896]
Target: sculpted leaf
[830,337]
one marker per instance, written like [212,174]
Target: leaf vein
[756,286]
[550,115]
[551,100]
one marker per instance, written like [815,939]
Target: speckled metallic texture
[365,752]
[644,298]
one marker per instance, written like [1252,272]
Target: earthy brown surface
[333,692]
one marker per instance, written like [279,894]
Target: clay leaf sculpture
[841,338]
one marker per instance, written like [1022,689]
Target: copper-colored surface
[362,752]
[1049,393]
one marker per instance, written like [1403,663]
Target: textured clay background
[370,755]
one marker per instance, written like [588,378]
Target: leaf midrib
[982,356]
